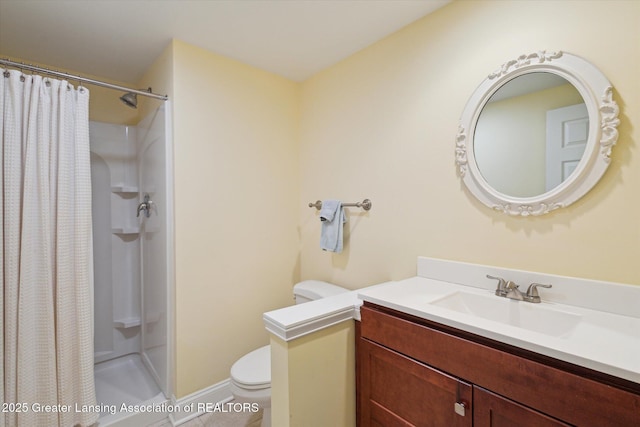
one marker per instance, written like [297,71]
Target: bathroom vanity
[442,349]
[436,352]
[417,372]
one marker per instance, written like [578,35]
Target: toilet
[251,374]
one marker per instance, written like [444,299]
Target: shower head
[130,99]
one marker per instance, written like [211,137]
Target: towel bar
[365,204]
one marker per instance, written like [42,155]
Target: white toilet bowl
[251,380]
[251,374]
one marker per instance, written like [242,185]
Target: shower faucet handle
[147,206]
[143,207]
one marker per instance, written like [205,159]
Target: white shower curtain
[46,244]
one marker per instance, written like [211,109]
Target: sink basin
[525,315]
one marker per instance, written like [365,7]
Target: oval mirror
[537,133]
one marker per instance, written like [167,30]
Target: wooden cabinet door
[399,391]
[492,410]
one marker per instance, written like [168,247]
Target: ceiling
[120,39]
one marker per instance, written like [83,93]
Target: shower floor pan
[124,380]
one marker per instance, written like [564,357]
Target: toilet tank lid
[316,289]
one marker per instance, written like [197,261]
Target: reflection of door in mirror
[567,135]
[509,141]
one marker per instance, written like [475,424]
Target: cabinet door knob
[459,408]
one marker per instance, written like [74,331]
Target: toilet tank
[310,290]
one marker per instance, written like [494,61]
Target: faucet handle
[501,289]
[532,292]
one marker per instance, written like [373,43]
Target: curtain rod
[23,66]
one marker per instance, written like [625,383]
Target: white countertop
[606,339]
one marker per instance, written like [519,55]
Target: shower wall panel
[116,240]
[133,254]
[102,289]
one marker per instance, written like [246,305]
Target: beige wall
[236,186]
[382,125]
[313,379]
[159,77]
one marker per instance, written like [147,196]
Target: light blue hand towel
[332,217]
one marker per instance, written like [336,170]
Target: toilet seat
[253,370]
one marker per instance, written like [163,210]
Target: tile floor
[225,419]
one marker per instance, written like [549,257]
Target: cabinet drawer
[558,393]
[399,391]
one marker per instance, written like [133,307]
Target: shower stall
[132,228]
[133,259]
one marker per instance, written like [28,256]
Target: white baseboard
[189,405]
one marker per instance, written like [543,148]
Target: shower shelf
[128,322]
[126,230]
[123,188]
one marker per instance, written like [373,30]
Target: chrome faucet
[513,292]
[508,289]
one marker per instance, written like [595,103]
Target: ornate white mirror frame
[602,110]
